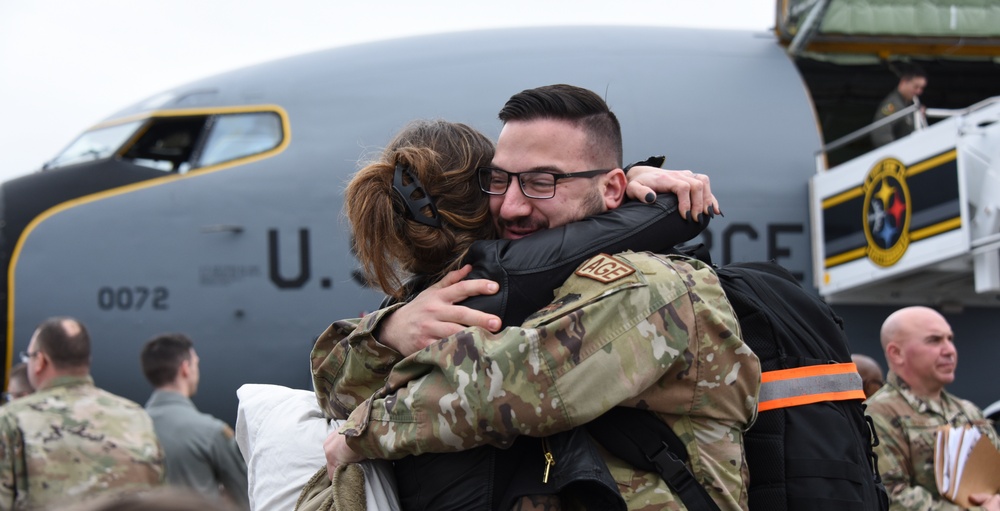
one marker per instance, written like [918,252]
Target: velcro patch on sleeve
[604,268]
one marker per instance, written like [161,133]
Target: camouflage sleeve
[894,463]
[596,346]
[349,365]
[985,425]
[12,470]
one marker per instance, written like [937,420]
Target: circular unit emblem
[887,212]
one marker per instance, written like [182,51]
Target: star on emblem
[877,216]
[885,192]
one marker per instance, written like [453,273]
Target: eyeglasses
[28,355]
[537,184]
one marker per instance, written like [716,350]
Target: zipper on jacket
[549,460]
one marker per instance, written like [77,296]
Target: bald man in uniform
[920,351]
[70,440]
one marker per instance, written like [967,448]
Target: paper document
[965,462]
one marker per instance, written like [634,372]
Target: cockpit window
[95,144]
[237,135]
[168,143]
[179,143]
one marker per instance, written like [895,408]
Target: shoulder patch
[888,109]
[604,268]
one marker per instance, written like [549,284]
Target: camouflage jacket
[906,427]
[661,337]
[349,365]
[71,440]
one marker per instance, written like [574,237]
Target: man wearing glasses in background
[71,440]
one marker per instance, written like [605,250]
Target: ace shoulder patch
[604,268]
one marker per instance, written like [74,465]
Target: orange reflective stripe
[810,384]
[803,372]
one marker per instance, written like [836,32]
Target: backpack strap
[647,443]
[809,384]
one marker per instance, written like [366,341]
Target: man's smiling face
[548,145]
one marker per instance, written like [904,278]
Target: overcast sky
[67,64]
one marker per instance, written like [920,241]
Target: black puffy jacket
[529,269]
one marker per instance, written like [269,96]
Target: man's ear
[614,188]
[42,362]
[894,354]
[184,369]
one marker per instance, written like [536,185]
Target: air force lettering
[604,268]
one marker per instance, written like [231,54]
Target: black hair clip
[413,206]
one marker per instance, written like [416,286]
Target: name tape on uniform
[605,268]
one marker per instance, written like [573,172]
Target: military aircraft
[214,208]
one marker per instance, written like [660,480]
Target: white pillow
[280,432]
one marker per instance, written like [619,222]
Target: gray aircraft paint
[729,104]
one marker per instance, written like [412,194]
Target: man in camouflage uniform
[70,440]
[912,81]
[913,404]
[201,451]
[634,329]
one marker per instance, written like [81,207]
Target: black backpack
[811,446]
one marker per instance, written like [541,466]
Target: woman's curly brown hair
[392,246]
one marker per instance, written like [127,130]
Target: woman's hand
[435,314]
[694,191]
[338,453]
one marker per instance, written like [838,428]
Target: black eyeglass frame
[487,172]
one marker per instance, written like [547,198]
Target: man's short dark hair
[162,357]
[65,341]
[574,104]
[909,71]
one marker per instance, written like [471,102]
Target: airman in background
[919,347]
[201,451]
[912,80]
[71,440]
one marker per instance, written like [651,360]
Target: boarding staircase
[916,221]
